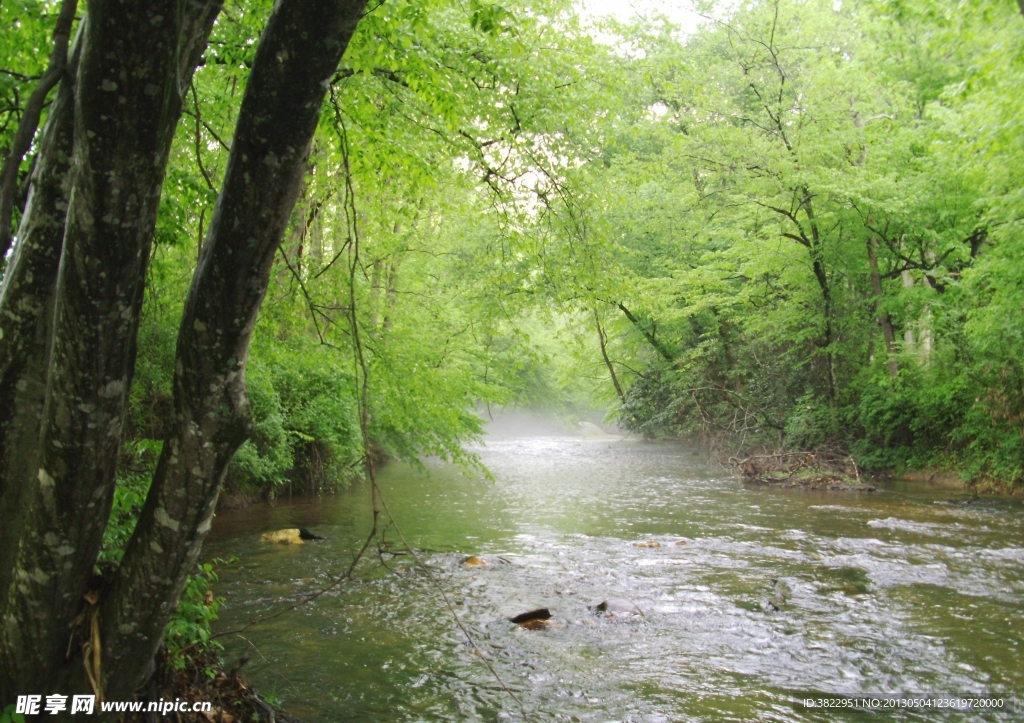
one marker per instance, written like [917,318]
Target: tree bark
[30,119]
[136,62]
[300,50]
[883,316]
[26,313]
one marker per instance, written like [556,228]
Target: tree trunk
[26,314]
[135,63]
[607,361]
[30,119]
[298,54]
[883,316]
[821,275]
[908,330]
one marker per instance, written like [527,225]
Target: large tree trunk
[26,314]
[70,355]
[297,56]
[883,316]
[136,61]
[30,120]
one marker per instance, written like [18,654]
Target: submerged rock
[850,581]
[647,543]
[290,536]
[779,595]
[474,561]
[619,608]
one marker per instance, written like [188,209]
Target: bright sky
[677,11]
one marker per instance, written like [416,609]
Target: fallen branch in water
[823,468]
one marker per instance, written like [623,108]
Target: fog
[515,423]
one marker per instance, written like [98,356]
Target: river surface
[908,592]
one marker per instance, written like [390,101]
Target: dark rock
[532,616]
[307,535]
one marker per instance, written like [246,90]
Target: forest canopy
[796,225]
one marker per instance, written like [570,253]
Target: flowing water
[908,592]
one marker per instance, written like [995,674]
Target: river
[907,592]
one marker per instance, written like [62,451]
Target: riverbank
[953,480]
[203,679]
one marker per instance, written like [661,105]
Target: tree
[809,216]
[70,305]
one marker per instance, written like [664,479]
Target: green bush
[304,423]
[266,458]
[650,407]
[812,423]
[188,633]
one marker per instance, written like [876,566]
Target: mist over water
[906,592]
[523,423]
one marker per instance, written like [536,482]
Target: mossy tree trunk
[70,307]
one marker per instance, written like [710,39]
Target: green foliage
[266,457]
[305,428]
[134,474]
[488,181]
[188,633]
[7,715]
[25,27]
[812,424]
[730,213]
[490,18]
[650,407]
[431,97]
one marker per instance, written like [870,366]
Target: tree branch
[658,346]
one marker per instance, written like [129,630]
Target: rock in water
[619,608]
[533,620]
[291,536]
[780,594]
[647,543]
[474,561]
[307,535]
